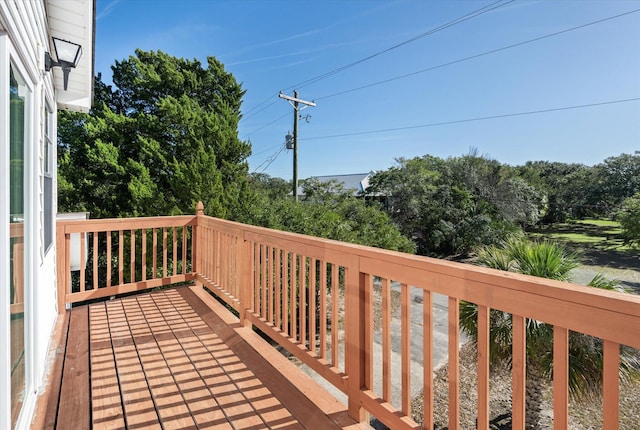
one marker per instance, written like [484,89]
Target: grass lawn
[600,248]
[588,233]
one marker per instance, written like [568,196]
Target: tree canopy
[163,139]
[449,206]
[328,211]
[577,191]
[629,216]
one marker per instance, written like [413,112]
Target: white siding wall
[25,41]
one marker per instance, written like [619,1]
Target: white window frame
[9,57]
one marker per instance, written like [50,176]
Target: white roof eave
[74,20]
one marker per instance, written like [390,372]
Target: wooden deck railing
[122,255]
[325,301]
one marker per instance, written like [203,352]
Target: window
[18,140]
[47,179]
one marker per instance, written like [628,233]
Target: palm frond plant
[553,261]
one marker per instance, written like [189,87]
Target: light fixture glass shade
[67,52]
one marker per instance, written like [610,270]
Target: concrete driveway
[440,352]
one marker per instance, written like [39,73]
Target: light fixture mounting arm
[68,54]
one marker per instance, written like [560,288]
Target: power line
[483,118]
[456,21]
[307,82]
[269,161]
[263,109]
[493,51]
[260,104]
[267,150]
[267,125]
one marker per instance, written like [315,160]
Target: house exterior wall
[25,35]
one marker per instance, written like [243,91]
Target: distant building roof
[357,183]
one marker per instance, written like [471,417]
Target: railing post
[195,247]
[355,311]
[62,273]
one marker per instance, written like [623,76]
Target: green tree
[273,187]
[621,178]
[568,190]
[552,261]
[629,217]
[164,139]
[451,206]
[327,212]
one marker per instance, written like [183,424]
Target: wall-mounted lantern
[68,54]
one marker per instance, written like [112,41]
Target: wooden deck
[175,359]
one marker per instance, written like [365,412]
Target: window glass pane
[17,138]
[48,181]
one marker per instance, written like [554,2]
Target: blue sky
[273,46]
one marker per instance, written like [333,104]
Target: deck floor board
[75,380]
[167,360]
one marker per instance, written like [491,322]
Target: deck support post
[195,247]
[355,333]
[62,267]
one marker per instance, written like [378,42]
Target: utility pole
[295,103]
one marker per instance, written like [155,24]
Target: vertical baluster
[270,289]
[561,378]
[483,367]
[219,254]
[95,260]
[294,296]
[184,249]
[323,309]
[278,292]
[405,298]
[83,266]
[205,250]
[108,258]
[144,254]
[611,385]
[222,257]
[231,264]
[223,251]
[236,267]
[67,268]
[335,295]
[367,318]
[519,374]
[175,251]
[154,253]
[454,363]
[427,352]
[256,278]
[164,252]
[303,300]
[132,262]
[263,281]
[312,304]
[293,302]
[386,340]
[120,257]
[285,291]
[251,258]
